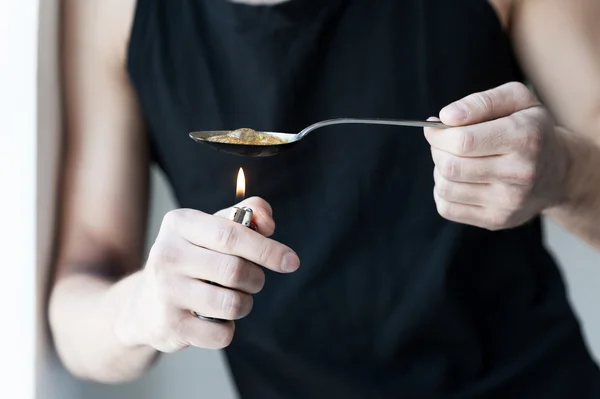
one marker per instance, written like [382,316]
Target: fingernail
[290,262]
[454,112]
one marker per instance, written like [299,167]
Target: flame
[240,190]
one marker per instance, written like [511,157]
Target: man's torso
[391,299]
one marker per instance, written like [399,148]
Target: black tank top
[391,300]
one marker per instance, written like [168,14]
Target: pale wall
[27,196]
[17,200]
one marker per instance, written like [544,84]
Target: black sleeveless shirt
[391,300]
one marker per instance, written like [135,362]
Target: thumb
[489,105]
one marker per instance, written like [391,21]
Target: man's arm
[558,44]
[104,194]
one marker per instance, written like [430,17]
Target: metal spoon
[289,139]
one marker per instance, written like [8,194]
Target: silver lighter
[242,216]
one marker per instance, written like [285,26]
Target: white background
[29,151]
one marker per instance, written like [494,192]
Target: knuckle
[511,136]
[467,142]
[533,137]
[483,101]
[523,175]
[505,201]
[518,199]
[527,175]
[221,335]
[504,197]
[227,236]
[172,219]
[522,91]
[166,253]
[235,271]
[509,201]
[444,188]
[483,171]
[235,305]
[507,176]
[497,221]
[450,168]
[261,280]
[528,135]
[513,123]
[543,115]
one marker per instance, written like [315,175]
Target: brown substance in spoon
[247,136]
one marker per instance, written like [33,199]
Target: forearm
[83,310]
[579,212]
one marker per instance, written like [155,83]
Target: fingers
[468,170]
[509,169]
[473,215]
[483,195]
[178,256]
[228,237]
[226,270]
[205,265]
[262,214]
[497,137]
[464,193]
[208,300]
[193,331]
[489,105]
[487,166]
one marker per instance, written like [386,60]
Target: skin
[129,314]
[503,163]
[508,160]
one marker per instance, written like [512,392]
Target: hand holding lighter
[242,216]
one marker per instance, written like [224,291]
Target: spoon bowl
[246,150]
[287,140]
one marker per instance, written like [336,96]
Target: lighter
[242,216]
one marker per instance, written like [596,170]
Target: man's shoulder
[122,12]
[105,24]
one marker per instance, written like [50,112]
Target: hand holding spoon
[250,143]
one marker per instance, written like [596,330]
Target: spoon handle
[389,122]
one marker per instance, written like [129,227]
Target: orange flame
[240,190]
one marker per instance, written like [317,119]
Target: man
[409,286]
